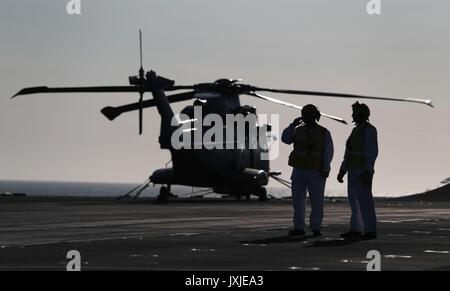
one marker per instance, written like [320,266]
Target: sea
[97,189]
[90,189]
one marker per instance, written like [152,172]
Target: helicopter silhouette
[238,172]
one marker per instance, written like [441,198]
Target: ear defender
[361,110]
[311,109]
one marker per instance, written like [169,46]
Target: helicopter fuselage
[228,167]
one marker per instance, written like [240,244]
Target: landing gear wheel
[262,193]
[164,194]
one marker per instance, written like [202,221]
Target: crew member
[359,160]
[310,159]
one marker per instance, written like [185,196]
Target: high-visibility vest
[308,148]
[355,147]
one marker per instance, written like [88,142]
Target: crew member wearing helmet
[359,160]
[310,159]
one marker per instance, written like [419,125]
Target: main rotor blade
[338,119]
[180,87]
[113,112]
[102,89]
[343,95]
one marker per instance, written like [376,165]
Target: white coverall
[363,218]
[311,181]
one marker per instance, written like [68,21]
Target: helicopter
[238,172]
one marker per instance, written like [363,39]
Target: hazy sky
[324,45]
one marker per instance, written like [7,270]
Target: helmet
[311,109]
[361,111]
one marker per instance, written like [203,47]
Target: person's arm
[288,134]
[328,153]
[344,167]
[371,148]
